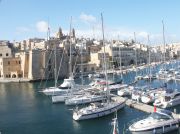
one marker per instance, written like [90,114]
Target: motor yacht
[126,91]
[168,99]
[157,123]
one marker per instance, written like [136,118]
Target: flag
[154,108]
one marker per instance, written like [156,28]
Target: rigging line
[43,76]
[75,65]
[49,72]
[60,64]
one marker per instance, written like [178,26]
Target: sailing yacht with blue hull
[96,110]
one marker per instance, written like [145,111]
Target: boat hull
[55,91]
[84,101]
[157,130]
[99,114]
[57,99]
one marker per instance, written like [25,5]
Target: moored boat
[168,99]
[95,110]
[157,123]
[84,99]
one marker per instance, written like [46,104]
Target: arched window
[13,76]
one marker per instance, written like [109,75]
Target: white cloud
[87,18]
[42,26]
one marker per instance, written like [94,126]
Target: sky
[23,19]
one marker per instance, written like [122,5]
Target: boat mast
[149,62]
[164,43]
[55,67]
[135,52]
[120,60]
[105,65]
[70,57]
[82,63]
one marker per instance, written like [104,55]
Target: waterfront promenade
[6,80]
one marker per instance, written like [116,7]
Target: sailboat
[148,96]
[137,77]
[75,89]
[56,90]
[96,110]
[87,96]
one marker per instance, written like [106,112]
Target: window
[7,54]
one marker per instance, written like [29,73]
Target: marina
[37,104]
[89,67]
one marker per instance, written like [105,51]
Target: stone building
[10,67]
[5,50]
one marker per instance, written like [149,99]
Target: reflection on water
[76,126]
[23,90]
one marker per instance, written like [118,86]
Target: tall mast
[149,60]
[135,52]
[70,58]
[164,43]
[105,58]
[55,67]
[82,63]
[48,31]
[120,60]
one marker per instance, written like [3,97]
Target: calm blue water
[23,110]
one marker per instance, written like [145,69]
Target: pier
[140,106]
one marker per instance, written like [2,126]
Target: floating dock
[139,106]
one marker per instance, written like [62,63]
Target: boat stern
[76,116]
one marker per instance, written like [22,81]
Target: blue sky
[23,19]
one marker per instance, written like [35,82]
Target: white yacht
[95,110]
[146,98]
[84,99]
[62,89]
[116,87]
[157,123]
[136,95]
[151,95]
[168,99]
[126,91]
[61,98]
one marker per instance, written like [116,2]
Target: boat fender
[154,131]
[163,129]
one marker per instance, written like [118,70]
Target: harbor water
[24,110]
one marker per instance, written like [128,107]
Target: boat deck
[139,106]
